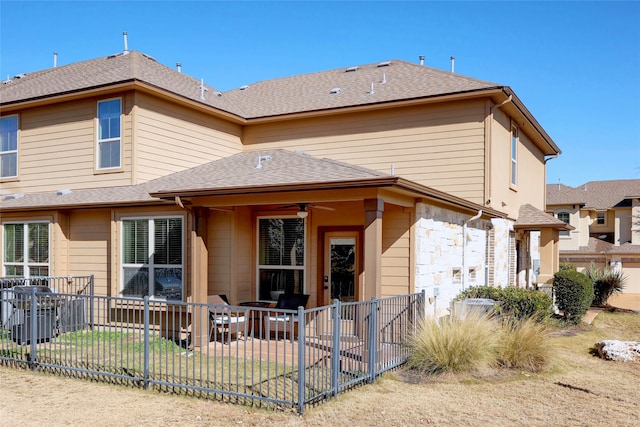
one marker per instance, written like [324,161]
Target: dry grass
[524,345]
[578,390]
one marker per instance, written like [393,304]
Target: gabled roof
[372,86]
[531,218]
[594,194]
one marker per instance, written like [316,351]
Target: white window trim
[2,153]
[564,234]
[283,267]
[26,265]
[515,137]
[604,222]
[99,141]
[151,243]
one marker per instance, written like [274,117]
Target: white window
[281,257]
[152,257]
[25,249]
[109,142]
[9,147]
[514,155]
[564,217]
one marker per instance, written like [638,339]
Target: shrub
[524,345]
[574,294]
[606,282]
[514,302]
[453,345]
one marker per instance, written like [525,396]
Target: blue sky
[575,65]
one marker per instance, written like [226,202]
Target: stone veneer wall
[439,255]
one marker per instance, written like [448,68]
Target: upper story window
[514,155]
[9,147]
[109,143]
[152,257]
[281,256]
[564,217]
[25,249]
[600,218]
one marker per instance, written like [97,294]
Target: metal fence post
[373,345]
[301,356]
[146,343]
[335,348]
[33,332]
[91,283]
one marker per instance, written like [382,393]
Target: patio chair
[225,321]
[285,322]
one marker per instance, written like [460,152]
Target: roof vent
[20,76]
[202,89]
[63,192]
[371,92]
[350,69]
[126,45]
[384,78]
[262,159]
[179,66]
[244,87]
[336,90]
[14,196]
[217,93]
[8,81]
[384,64]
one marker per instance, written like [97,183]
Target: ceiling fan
[302,208]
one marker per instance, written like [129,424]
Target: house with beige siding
[368,181]
[605,216]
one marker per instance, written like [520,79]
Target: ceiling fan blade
[326,208]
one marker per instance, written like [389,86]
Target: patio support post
[373,248]
[549,254]
[199,276]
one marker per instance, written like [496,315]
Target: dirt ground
[579,390]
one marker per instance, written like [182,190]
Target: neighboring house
[606,220]
[354,183]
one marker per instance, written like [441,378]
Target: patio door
[341,278]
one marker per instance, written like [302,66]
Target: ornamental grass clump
[524,345]
[451,345]
[606,282]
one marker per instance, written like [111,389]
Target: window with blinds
[26,249]
[281,256]
[152,257]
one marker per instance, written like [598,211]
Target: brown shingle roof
[598,247]
[530,217]
[301,93]
[594,194]
[105,71]
[391,81]
[233,174]
[278,168]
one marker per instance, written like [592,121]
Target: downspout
[464,246]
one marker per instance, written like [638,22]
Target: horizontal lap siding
[395,251]
[56,149]
[438,146]
[220,261]
[171,138]
[89,247]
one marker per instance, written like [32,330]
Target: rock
[621,351]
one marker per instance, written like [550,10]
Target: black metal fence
[245,354]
